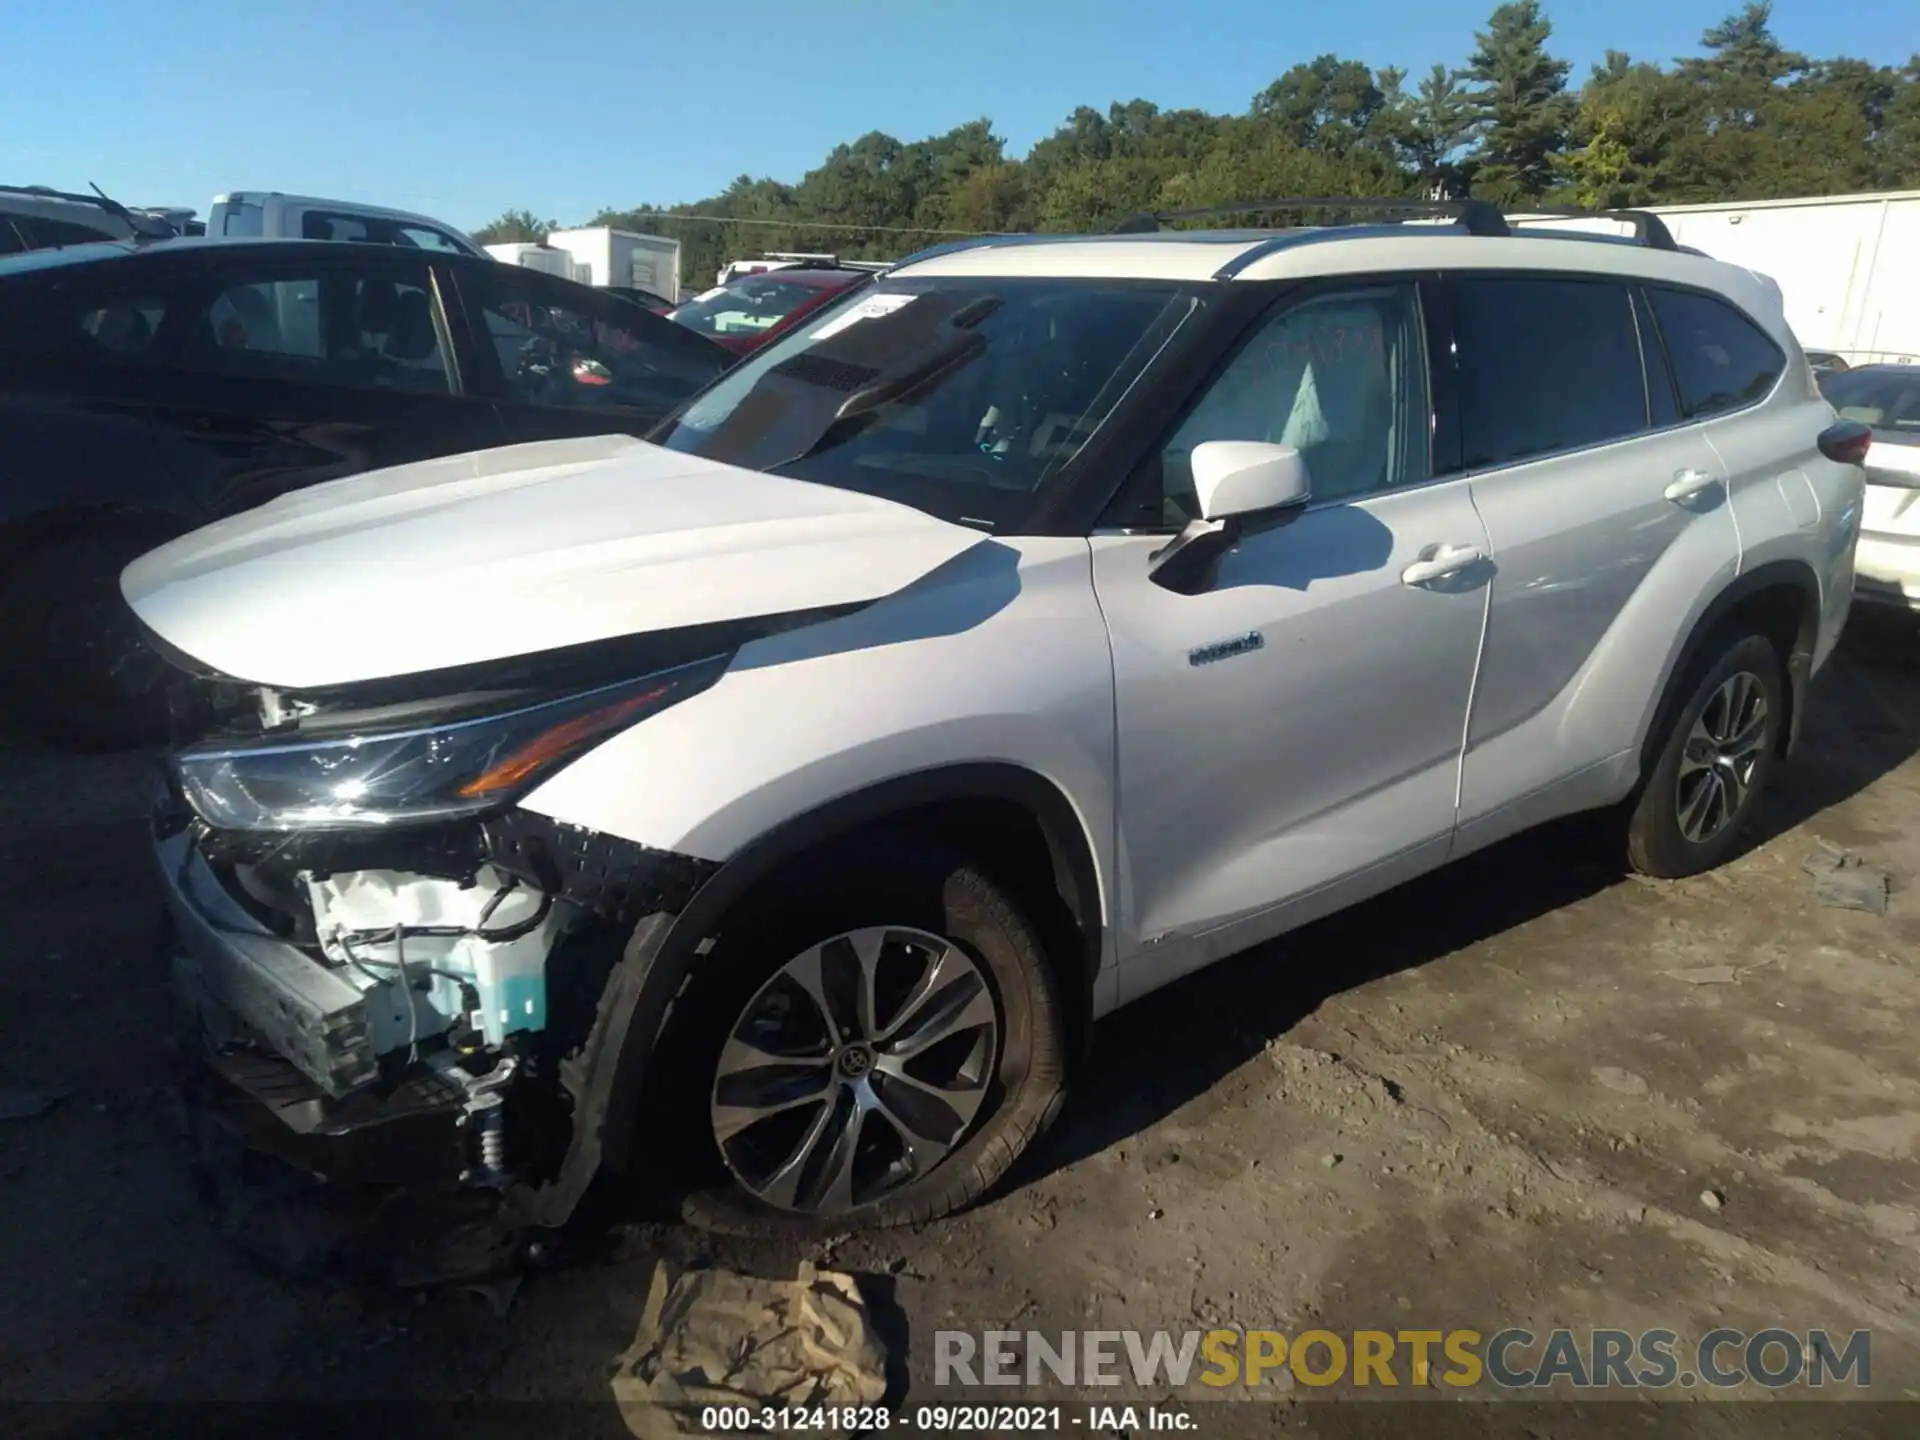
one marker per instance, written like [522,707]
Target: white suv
[769,807]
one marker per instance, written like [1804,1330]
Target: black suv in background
[146,389]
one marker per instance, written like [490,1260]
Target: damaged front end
[398,966]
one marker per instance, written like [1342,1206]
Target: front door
[1290,738]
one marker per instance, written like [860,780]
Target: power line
[811,224]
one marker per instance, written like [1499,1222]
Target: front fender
[999,657]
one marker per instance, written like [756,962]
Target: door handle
[1446,560]
[1689,483]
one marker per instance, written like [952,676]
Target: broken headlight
[429,772]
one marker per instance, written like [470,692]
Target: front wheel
[1699,801]
[873,1044]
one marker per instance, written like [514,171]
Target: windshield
[750,305]
[960,397]
[1887,401]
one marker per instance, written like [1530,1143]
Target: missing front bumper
[303,1068]
[229,962]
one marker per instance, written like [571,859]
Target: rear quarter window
[1721,360]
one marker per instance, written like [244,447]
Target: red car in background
[747,312]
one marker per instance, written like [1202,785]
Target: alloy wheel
[855,1070]
[1722,755]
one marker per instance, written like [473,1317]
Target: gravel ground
[1501,1096]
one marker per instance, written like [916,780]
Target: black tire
[911,884]
[1657,842]
[74,666]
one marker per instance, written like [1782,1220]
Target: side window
[1721,359]
[423,238]
[366,330]
[45,234]
[325,225]
[392,338]
[1544,365]
[125,326]
[376,230]
[1340,377]
[273,317]
[556,347]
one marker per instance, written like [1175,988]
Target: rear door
[1608,520]
[1728,379]
[563,359]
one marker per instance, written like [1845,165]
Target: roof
[1311,251]
[108,250]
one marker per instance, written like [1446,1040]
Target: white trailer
[1844,264]
[544,258]
[624,259]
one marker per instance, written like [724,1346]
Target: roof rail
[144,227]
[974,242]
[1480,217]
[1648,228]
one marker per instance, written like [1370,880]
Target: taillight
[1846,441]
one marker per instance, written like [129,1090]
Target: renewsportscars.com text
[1512,1359]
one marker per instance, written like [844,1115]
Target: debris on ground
[1704,975]
[25,1104]
[1712,1199]
[716,1337]
[1845,881]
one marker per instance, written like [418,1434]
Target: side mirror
[1243,486]
[1247,477]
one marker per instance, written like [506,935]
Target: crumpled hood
[514,551]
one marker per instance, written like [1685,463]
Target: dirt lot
[1493,1098]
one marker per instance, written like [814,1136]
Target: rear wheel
[1698,803]
[875,1044]
[74,665]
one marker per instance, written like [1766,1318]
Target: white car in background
[1886,398]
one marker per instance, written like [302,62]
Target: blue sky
[564,106]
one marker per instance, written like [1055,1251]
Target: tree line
[1745,119]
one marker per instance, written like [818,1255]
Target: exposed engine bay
[459,997]
[447,971]
[372,943]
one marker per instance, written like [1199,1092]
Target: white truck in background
[1844,264]
[271,214]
